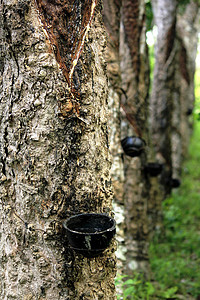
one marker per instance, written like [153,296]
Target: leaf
[119,278]
[170,292]
[129,291]
[129,282]
[150,288]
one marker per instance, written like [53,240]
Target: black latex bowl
[175,183]
[189,111]
[90,233]
[153,169]
[133,146]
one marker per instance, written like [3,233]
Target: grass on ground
[175,255]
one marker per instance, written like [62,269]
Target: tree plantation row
[90,144]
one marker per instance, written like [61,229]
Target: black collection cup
[90,233]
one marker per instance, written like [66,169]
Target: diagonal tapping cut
[66,24]
[81,42]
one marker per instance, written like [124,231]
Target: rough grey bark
[54,152]
[163,85]
[187,34]
[111,17]
[135,84]
[128,84]
[173,89]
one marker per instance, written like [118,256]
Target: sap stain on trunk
[66,24]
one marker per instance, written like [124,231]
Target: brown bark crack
[183,64]
[171,35]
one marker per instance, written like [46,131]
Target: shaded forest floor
[175,250]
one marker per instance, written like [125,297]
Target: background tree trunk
[129,90]
[173,86]
[163,85]
[111,17]
[187,33]
[135,84]
[54,149]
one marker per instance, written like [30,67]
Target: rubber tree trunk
[187,35]
[134,101]
[179,93]
[163,87]
[54,148]
[111,18]
[129,85]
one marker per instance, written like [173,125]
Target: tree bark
[111,17]
[54,148]
[128,84]
[187,35]
[135,84]
[163,86]
[173,89]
